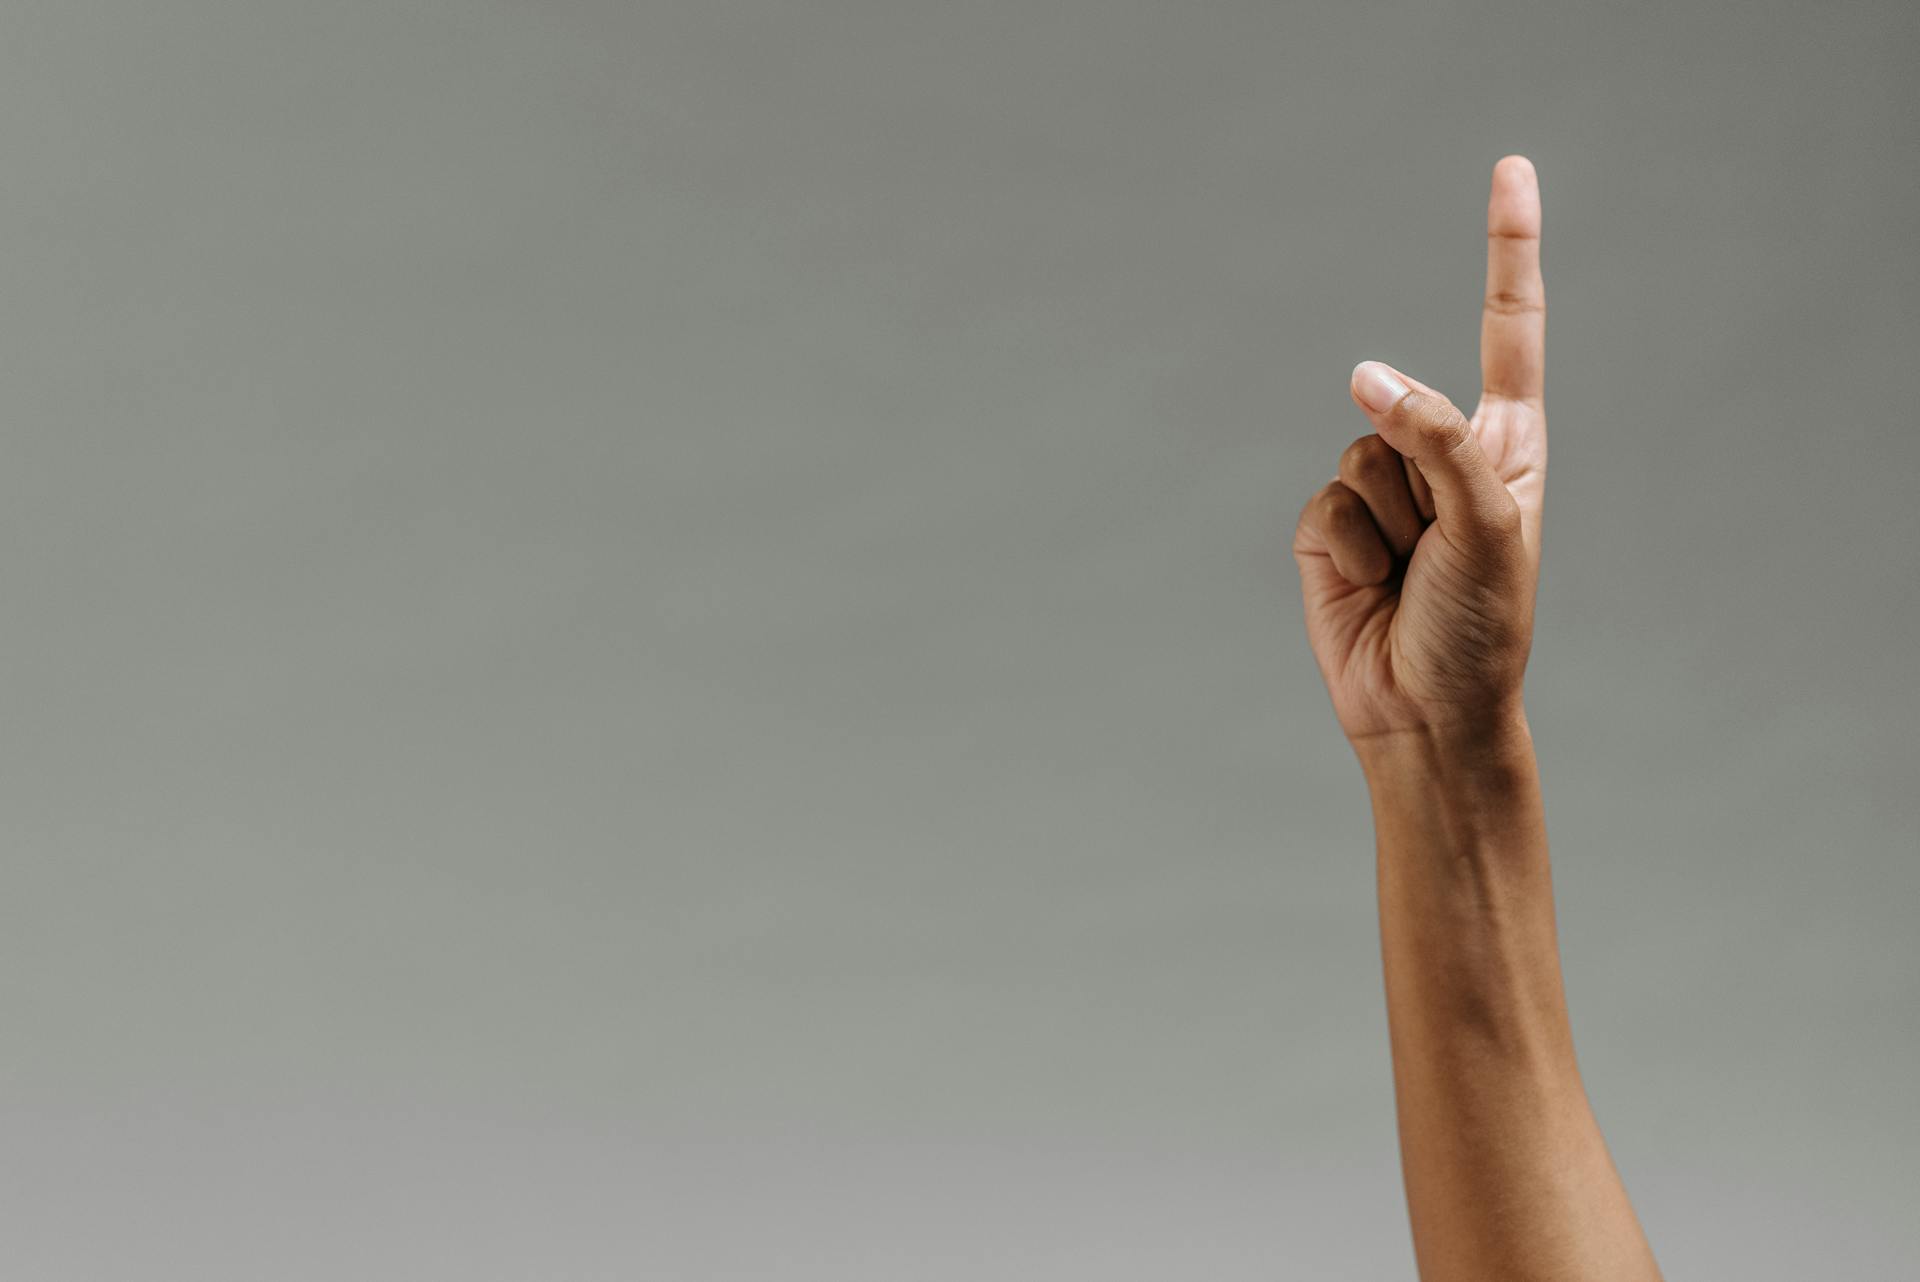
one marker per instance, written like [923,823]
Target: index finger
[1513,324]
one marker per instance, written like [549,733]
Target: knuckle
[1431,422]
[1514,302]
[1368,459]
[1441,428]
[1340,507]
[1313,514]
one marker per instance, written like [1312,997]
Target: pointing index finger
[1513,324]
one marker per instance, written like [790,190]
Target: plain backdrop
[655,640]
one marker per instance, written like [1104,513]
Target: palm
[1428,640]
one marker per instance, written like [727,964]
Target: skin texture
[1418,567]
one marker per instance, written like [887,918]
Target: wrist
[1466,894]
[1479,745]
[1462,794]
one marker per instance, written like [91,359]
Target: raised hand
[1418,566]
[1418,563]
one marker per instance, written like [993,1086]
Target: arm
[1418,569]
[1506,1174]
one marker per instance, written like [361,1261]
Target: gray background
[655,640]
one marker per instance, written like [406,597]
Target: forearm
[1507,1175]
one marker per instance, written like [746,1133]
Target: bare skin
[1418,567]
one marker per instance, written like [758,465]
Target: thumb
[1470,501]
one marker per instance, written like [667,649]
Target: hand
[1418,564]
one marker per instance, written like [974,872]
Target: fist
[1418,563]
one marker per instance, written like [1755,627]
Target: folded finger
[1422,492]
[1355,543]
[1375,471]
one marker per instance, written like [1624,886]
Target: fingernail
[1377,386]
